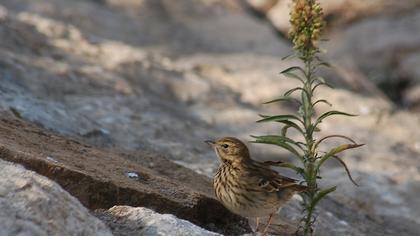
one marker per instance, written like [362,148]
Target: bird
[247,187]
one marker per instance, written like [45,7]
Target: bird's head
[230,149]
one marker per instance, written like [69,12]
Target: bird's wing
[274,184]
[271,181]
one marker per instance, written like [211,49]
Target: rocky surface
[31,204]
[336,12]
[102,179]
[146,79]
[370,41]
[126,220]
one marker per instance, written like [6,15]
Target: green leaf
[277,138]
[320,60]
[284,130]
[330,113]
[289,92]
[321,194]
[282,99]
[319,79]
[293,68]
[333,136]
[326,64]
[290,56]
[335,151]
[278,141]
[321,101]
[346,168]
[298,170]
[293,76]
[320,84]
[278,118]
[292,124]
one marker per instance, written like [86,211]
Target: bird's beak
[210,142]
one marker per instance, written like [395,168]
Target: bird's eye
[225,145]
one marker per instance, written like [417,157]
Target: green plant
[307,23]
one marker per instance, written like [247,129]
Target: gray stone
[339,11]
[34,205]
[131,221]
[159,77]
[100,179]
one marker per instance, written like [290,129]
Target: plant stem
[310,158]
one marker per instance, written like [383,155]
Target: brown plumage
[247,187]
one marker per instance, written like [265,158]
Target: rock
[387,61]
[383,48]
[365,51]
[407,67]
[337,12]
[410,72]
[126,220]
[34,205]
[412,98]
[213,26]
[379,195]
[3,13]
[262,5]
[93,69]
[102,179]
[156,78]
[377,39]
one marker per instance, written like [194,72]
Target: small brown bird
[247,187]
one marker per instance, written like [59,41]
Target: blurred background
[164,75]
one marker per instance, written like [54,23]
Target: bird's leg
[258,225]
[268,224]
